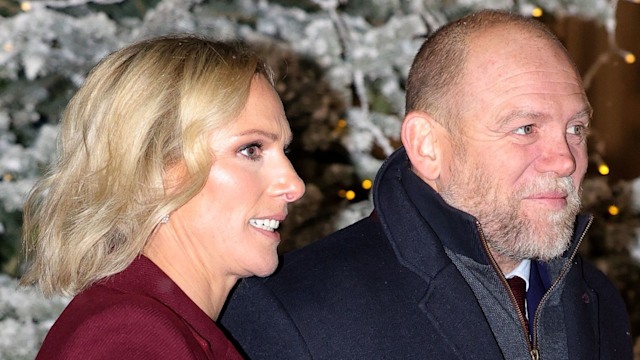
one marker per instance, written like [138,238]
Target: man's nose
[557,157]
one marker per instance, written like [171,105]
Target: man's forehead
[500,54]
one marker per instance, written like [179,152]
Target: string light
[25,6]
[614,210]
[7,177]
[8,47]
[603,169]
[347,194]
[537,12]
[366,184]
[629,58]
[350,195]
[340,127]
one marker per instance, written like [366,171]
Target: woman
[171,183]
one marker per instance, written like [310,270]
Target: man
[485,188]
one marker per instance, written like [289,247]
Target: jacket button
[585,298]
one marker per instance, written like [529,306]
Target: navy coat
[384,288]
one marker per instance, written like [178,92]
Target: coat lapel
[451,308]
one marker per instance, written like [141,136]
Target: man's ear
[421,140]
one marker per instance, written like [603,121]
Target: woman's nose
[289,184]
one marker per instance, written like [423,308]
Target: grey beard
[509,234]
[514,238]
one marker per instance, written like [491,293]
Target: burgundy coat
[139,314]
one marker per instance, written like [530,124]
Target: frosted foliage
[395,43]
[22,164]
[635,195]
[329,4]
[43,42]
[391,89]
[382,52]
[13,194]
[313,35]
[44,149]
[220,28]
[4,121]
[594,191]
[635,248]
[367,130]
[13,158]
[389,125]
[170,16]
[353,213]
[66,3]
[25,318]
[600,10]
[484,4]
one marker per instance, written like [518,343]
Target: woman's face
[231,226]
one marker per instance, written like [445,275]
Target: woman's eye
[252,151]
[524,130]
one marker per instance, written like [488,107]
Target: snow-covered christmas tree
[341,67]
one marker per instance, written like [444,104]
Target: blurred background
[341,68]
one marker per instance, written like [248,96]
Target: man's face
[520,157]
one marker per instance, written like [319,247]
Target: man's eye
[577,130]
[251,151]
[524,130]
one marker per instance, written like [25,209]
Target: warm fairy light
[7,177]
[25,6]
[366,184]
[347,194]
[340,127]
[629,58]
[8,47]
[603,169]
[614,210]
[350,195]
[537,12]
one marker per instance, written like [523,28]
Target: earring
[164,219]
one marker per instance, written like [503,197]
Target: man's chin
[550,245]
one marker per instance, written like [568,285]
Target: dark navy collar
[457,229]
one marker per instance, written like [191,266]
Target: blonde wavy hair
[141,111]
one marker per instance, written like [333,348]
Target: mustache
[549,184]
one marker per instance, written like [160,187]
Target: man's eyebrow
[586,112]
[534,115]
[519,114]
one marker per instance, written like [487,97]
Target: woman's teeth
[265,224]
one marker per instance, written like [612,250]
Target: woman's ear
[421,140]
